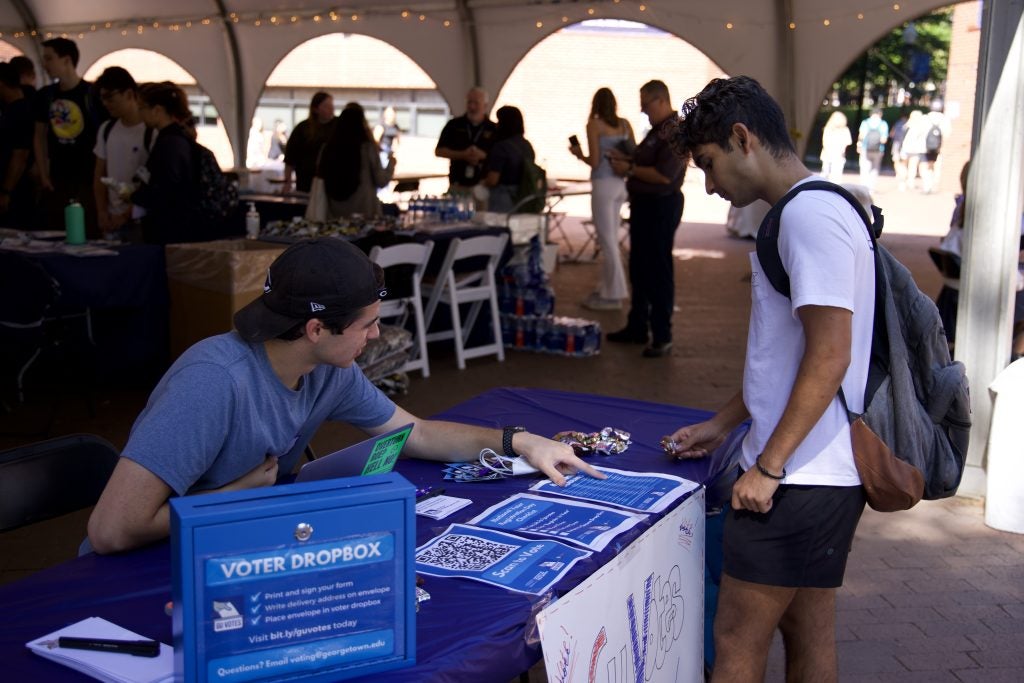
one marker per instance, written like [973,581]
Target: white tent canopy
[796,48]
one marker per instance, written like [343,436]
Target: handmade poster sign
[309,581]
[641,616]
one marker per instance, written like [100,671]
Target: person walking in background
[503,169]
[606,131]
[303,147]
[835,138]
[387,133]
[936,128]
[654,180]
[912,150]
[871,139]
[899,164]
[351,167]
[465,140]
[278,141]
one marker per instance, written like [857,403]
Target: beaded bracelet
[762,470]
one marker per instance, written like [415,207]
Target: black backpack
[916,399]
[217,196]
[873,140]
[933,142]
[533,187]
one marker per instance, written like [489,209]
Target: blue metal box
[311,582]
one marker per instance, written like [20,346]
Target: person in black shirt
[169,184]
[303,146]
[67,114]
[465,140]
[26,75]
[503,169]
[16,133]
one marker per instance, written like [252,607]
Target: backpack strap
[147,139]
[768,232]
[771,265]
[107,127]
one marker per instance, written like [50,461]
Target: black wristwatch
[506,440]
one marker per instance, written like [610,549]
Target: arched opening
[7,51]
[148,66]
[926,64]
[352,68]
[554,83]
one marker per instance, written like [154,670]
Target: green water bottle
[74,223]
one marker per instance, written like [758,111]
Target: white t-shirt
[124,151]
[826,250]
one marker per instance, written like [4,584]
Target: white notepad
[107,666]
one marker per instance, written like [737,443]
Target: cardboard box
[209,282]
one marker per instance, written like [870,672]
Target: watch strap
[506,440]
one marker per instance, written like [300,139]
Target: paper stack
[106,666]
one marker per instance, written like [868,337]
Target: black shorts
[802,542]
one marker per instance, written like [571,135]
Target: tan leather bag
[889,483]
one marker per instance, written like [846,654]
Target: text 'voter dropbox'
[311,581]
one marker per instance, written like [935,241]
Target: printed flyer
[640,491]
[511,562]
[592,526]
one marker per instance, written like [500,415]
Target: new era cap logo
[316,308]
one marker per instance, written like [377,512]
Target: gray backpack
[916,399]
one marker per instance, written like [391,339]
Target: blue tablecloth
[127,297]
[467,631]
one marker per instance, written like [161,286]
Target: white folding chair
[475,288]
[417,255]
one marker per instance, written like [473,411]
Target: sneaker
[595,302]
[658,349]
[627,336]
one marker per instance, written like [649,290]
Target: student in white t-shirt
[122,147]
[796,505]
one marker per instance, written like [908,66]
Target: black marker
[431,494]
[138,648]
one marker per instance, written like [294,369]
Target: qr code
[465,552]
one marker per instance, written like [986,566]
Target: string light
[320,16]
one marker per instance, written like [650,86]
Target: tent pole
[235,63]
[468,23]
[992,222]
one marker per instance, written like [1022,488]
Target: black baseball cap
[324,278]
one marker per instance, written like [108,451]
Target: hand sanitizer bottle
[252,222]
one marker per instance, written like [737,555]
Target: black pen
[431,494]
[138,648]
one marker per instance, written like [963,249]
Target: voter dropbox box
[312,581]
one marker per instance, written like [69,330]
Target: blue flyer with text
[593,526]
[500,559]
[640,491]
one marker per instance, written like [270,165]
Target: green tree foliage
[890,59]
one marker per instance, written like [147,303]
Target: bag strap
[775,272]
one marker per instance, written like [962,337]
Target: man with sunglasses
[237,410]
[654,180]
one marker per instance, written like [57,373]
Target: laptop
[376,455]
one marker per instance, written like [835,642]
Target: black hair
[23,65]
[9,75]
[64,48]
[114,78]
[167,95]
[510,123]
[708,117]
[341,160]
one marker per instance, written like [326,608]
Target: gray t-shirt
[220,410]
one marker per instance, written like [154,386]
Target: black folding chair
[51,478]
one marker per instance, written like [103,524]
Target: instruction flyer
[500,559]
[592,526]
[640,491]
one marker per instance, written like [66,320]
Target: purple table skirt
[467,631]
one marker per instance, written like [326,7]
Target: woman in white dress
[607,134]
[835,138]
